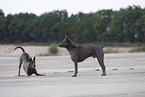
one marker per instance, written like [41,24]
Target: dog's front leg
[20,64]
[76,69]
[37,74]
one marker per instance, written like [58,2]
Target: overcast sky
[39,7]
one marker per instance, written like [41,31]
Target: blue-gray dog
[80,53]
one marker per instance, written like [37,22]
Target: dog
[29,65]
[80,53]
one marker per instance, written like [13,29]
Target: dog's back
[25,57]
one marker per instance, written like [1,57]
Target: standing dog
[80,53]
[28,64]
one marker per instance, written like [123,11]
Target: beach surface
[125,77]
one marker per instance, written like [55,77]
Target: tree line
[125,25]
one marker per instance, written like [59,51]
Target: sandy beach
[8,50]
[125,77]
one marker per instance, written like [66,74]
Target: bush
[53,49]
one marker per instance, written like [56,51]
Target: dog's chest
[73,55]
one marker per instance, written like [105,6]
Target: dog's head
[66,42]
[32,63]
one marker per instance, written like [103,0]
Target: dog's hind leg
[20,64]
[101,62]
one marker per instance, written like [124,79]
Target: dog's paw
[103,74]
[43,75]
[74,76]
[40,75]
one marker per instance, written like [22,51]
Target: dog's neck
[71,46]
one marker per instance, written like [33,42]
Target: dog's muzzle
[61,45]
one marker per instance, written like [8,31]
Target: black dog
[28,64]
[80,53]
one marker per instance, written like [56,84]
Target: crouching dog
[29,64]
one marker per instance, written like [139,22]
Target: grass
[139,49]
[70,71]
[131,68]
[97,69]
[115,69]
[109,50]
[47,54]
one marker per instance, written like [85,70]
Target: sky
[39,7]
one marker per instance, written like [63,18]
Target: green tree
[124,24]
[102,25]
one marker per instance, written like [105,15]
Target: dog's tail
[105,43]
[20,48]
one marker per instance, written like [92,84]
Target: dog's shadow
[21,75]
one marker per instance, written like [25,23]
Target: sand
[8,50]
[125,77]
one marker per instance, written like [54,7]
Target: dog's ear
[34,58]
[66,37]
[30,59]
